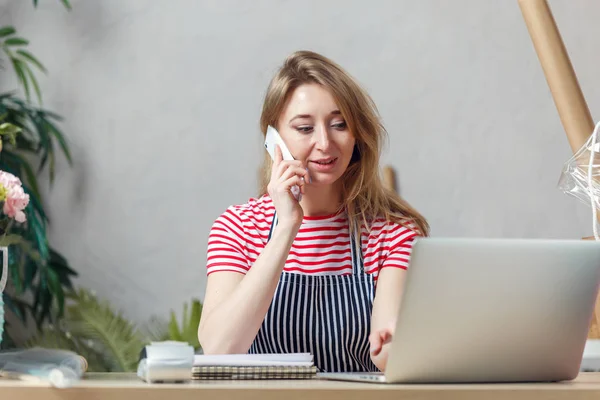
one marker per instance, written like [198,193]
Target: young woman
[324,274]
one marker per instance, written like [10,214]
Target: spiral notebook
[253,366]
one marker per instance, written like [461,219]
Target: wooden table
[128,387]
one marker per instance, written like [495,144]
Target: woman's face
[312,127]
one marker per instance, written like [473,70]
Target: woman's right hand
[284,175]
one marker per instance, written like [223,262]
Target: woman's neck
[321,200]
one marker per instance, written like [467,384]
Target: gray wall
[162,100]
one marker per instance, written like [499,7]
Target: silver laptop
[492,310]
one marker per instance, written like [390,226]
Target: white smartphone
[273,138]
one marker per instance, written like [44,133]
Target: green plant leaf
[61,140]
[37,300]
[18,67]
[38,236]
[174,333]
[36,135]
[7,31]
[191,335]
[9,129]
[31,269]
[15,277]
[29,250]
[57,259]
[11,239]
[41,298]
[27,56]
[36,210]
[96,331]
[45,304]
[4,96]
[33,81]
[31,180]
[62,271]
[65,3]
[184,323]
[98,321]
[26,145]
[19,164]
[52,338]
[45,141]
[16,306]
[58,292]
[49,114]
[33,122]
[188,332]
[16,41]
[59,264]
[52,164]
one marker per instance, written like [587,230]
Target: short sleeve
[400,242]
[227,244]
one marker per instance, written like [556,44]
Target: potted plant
[39,276]
[13,201]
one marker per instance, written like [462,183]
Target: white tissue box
[167,361]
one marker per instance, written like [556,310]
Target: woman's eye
[304,129]
[340,125]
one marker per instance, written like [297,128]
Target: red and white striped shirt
[321,247]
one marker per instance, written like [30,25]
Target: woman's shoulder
[256,208]
[392,230]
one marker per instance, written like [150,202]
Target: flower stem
[8,226]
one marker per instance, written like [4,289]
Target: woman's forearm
[232,326]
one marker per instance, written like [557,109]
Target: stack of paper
[254,366]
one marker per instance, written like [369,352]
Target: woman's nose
[322,138]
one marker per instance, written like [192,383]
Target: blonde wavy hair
[365,196]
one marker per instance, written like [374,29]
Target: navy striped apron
[328,316]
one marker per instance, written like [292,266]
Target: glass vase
[3,280]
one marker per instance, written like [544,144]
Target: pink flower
[9,180]
[16,199]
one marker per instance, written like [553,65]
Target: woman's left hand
[378,339]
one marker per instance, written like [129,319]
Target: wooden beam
[561,78]
[389,178]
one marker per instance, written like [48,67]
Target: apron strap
[357,256]
[273,223]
